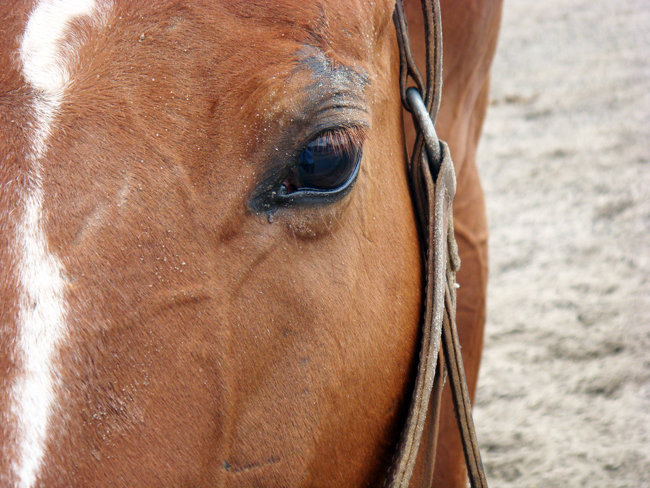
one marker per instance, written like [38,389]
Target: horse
[210,272]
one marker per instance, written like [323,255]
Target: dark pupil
[325,164]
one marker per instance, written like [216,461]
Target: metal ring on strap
[426,128]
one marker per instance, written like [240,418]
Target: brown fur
[207,346]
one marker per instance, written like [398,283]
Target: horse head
[210,263]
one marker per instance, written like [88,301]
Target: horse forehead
[317,17]
[223,48]
[270,29]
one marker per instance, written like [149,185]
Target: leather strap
[431,161]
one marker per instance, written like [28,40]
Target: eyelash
[346,139]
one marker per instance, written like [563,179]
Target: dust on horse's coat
[157,328]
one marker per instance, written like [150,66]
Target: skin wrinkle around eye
[331,100]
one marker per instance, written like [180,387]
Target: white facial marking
[42,315]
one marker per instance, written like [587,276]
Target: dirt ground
[564,395]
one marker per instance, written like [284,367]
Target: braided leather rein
[433,185]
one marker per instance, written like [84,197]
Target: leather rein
[433,184]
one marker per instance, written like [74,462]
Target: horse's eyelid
[346,139]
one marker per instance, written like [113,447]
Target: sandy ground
[564,395]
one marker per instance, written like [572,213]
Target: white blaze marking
[42,306]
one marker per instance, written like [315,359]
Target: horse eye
[328,163]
